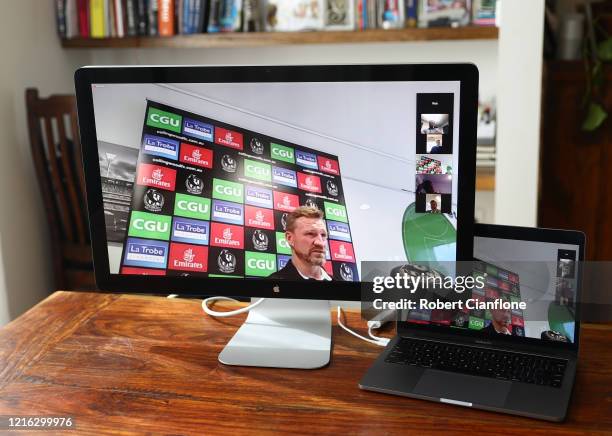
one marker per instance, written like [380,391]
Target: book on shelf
[134,18]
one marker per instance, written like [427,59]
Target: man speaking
[307,236]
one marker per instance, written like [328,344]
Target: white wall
[31,56]
[518,112]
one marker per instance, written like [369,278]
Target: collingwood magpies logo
[257,146]
[260,240]
[226,262]
[194,184]
[228,163]
[346,272]
[153,200]
[332,188]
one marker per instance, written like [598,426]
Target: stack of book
[124,18]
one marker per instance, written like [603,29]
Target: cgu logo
[163,119]
[336,212]
[282,153]
[151,226]
[260,171]
[283,243]
[261,264]
[228,190]
[192,206]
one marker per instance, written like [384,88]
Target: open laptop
[518,362]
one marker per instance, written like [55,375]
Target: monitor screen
[201,180]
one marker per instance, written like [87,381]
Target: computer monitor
[193,174]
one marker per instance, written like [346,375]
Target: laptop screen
[542,274]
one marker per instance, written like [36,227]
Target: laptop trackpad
[465,388]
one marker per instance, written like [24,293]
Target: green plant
[596,54]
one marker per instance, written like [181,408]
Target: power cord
[381,342]
[376,340]
[231,312]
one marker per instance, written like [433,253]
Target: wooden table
[122,364]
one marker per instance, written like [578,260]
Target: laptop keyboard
[478,361]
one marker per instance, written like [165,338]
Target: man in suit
[307,236]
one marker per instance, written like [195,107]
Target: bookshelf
[239,39]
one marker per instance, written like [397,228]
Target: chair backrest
[56,151]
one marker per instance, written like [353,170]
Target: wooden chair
[56,151]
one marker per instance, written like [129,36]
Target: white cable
[378,338]
[231,312]
[381,342]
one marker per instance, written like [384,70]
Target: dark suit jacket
[289,272]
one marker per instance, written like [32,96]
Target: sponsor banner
[327,251]
[285,202]
[258,217]
[128,270]
[280,220]
[259,240]
[144,253]
[310,200]
[186,257]
[339,231]
[331,188]
[194,183]
[309,182]
[284,176]
[282,246]
[156,176]
[226,261]
[335,212]
[306,160]
[190,206]
[342,251]
[149,226]
[259,264]
[345,271]
[476,323]
[228,191]
[152,200]
[228,138]
[257,170]
[256,196]
[329,269]
[281,261]
[226,235]
[162,147]
[190,231]
[329,166]
[226,212]
[198,129]
[257,146]
[163,120]
[283,153]
[199,156]
[227,163]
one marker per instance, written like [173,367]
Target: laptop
[521,362]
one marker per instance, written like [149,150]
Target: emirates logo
[308,181]
[196,154]
[328,164]
[342,249]
[229,137]
[227,233]
[259,216]
[188,255]
[286,200]
[157,175]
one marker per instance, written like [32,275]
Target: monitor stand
[282,333]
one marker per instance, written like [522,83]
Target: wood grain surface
[125,364]
[241,39]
